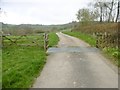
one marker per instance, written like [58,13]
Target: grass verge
[53,39]
[112,53]
[87,38]
[22,64]
[0,68]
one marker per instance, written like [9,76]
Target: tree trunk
[118,11]
[111,9]
[101,14]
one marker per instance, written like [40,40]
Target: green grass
[87,38]
[22,64]
[53,39]
[112,53]
[0,68]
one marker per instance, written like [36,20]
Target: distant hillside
[36,28]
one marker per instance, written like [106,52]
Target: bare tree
[100,5]
[111,9]
[118,11]
[107,10]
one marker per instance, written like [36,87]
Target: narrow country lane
[74,64]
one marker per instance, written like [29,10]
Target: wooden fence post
[106,40]
[45,41]
[97,36]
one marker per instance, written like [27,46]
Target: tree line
[101,11]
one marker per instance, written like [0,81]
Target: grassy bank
[53,39]
[112,53]
[97,27]
[0,68]
[87,38]
[22,64]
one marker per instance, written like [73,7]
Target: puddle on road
[72,49]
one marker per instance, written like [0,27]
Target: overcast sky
[40,11]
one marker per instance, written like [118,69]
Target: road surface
[74,64]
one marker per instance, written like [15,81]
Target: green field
[22,64]
[112,53]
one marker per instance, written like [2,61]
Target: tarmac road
[74,64]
